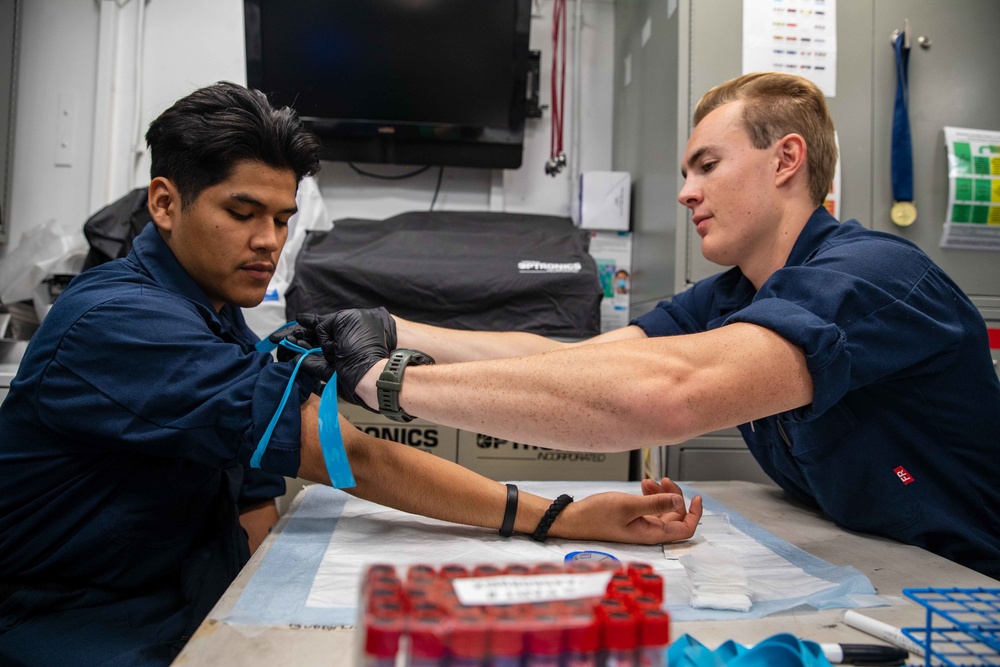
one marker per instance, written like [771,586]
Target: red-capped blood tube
[654,635]
[382,640]
[621,636]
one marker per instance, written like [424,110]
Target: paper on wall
[613,253]
[972,220]
[792,36]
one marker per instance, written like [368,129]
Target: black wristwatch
[390,382]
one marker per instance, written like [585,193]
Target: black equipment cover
[463,270]
[110,231]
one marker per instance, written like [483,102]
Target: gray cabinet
[6,375]
[8,66]
[718,456]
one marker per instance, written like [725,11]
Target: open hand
[659,515]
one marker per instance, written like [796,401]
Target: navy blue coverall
[124,443]
[902,438]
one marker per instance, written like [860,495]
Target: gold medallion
[903,213]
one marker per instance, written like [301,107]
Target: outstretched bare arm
[394,475]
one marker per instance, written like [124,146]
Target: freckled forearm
[617,396]
[453,345]
[580,399]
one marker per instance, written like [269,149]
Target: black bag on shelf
[463,270]
[111,230]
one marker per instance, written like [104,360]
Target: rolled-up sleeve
[824,344]
[859,321]
[164,385]
[260,486]
[666,319]
[694,309]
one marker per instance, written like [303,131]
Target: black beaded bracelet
[557,506]
[507,528]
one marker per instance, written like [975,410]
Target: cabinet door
[8,63]
[953,82]
[717,456]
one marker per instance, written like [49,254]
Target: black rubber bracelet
[557,506]
[507,529]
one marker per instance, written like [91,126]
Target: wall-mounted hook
[924,41]
[905,32]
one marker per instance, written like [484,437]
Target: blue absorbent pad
[309,575]
[276,594]
[850,589]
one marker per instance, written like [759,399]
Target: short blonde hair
[777,104]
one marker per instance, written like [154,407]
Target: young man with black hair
[128,437]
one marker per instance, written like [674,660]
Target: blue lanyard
[330,439]
[902,145]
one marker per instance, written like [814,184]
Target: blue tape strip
[279,590]
[265,346]
[266,438]
[331,441]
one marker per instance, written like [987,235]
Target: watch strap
[390,382]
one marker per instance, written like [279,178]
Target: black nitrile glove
[303,334]
[353,341]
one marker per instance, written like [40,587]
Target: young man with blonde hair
[857,372]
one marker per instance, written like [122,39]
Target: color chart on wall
[793,36]
[972,219]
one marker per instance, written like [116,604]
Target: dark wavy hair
[198,141]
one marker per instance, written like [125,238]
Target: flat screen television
[417,82]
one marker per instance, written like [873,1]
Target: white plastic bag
[43,251]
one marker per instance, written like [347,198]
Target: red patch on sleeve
[904,476]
